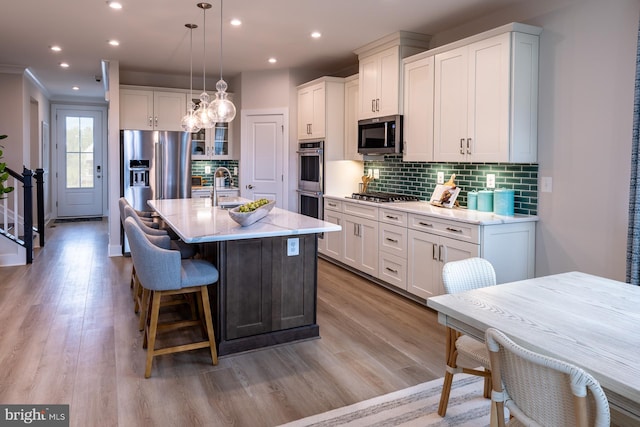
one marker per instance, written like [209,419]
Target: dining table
[586,320]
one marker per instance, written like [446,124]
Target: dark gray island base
[263,297]
[267,290]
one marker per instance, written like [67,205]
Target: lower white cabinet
[407,250]
[427,254]
[360,249]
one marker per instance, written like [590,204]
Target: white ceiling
[153,37]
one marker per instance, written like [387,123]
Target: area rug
[413,406]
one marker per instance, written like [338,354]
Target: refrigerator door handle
[157,152]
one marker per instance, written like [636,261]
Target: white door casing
[263,159]
[83,194]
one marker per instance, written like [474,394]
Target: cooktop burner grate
[381,197]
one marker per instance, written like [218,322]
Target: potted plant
[4,174]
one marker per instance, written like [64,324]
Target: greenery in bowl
[4,174]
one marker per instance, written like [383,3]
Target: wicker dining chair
[540,390]
[460,276]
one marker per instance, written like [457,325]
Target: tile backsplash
[419,179]
[198,169]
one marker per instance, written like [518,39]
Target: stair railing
[11,221]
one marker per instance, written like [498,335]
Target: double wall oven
[310,178]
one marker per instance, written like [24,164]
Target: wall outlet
[491,180]
[293,246]
[207,169]
[235,170]
[440,179]
[376,173]
[546,184]
[370,173]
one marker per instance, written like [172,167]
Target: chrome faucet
[214,197]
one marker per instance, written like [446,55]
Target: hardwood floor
[69,335]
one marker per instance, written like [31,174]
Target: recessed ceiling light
[55,48]
[236,22]
[272,60]
[114,42]
[115,4]
[316,34]
[75,88]
[64,65]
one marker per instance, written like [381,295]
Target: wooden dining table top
[586,320]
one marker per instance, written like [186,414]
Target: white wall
[587,70]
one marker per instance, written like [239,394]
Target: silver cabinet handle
[249,187]
[377,104]
[391,270]
[425,224]
[391,240]
[440,253]
[355,229]
[150,121]
[156,121]
[392,217]
[468,145]
[373,105]
[333,205]
[461,145]
[455,230]
[435,258]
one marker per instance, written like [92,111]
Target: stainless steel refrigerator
[154,165]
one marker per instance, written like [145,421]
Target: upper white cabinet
[351,105]
[380,72]
[418,108]
[150,109]
[321,114]
[311,111]
[486,97]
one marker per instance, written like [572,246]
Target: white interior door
[79,145]
[262,164]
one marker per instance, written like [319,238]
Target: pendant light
[206,121]
[190,122]
[222,109]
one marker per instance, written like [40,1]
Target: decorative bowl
[247,218]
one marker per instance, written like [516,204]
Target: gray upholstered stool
[163,272]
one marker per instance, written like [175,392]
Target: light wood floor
[68,334]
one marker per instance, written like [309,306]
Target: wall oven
[310,178]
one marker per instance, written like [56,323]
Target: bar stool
[163,272]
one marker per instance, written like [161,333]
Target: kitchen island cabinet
[416,239]
[267,289]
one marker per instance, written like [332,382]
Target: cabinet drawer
[332,205]
[454,229]
[363,211]
[393,239]
[391,216]
[393,270]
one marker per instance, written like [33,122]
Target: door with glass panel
[79,142]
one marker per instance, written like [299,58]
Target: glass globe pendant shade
[222,109]
[203,113]
[191,122]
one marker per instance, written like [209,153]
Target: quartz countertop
[455,214]
[196,221]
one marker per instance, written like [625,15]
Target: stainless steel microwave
[380,135]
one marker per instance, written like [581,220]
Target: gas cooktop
[380,197]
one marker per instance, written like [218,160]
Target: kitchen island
[267,290]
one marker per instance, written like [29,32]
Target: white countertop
[196,221]
[456,214]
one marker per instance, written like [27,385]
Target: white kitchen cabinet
[213,144]
[330,244]
[360,249]
[418,108]
[485,96]
[311,111]
[380,78]
[427,254]
[392,262]
[351,105]
[205,192]
[150,109]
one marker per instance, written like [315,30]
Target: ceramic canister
[485,201]
[472,200]
[503,201]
